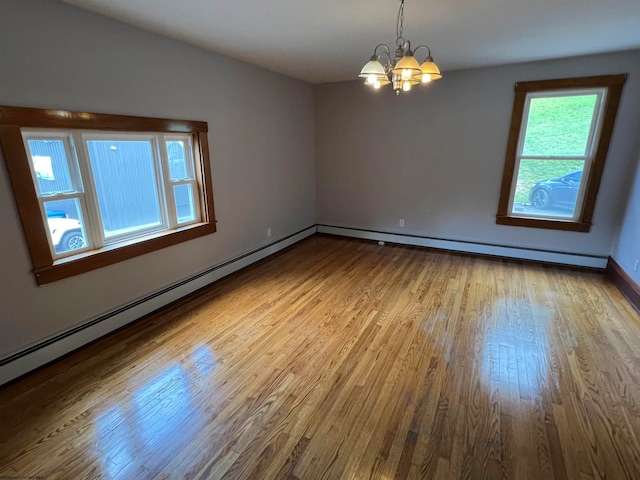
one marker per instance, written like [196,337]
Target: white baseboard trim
[48,350]
[546,256]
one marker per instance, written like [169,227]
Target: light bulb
[377,84]
[426,78]
[371,79]
[406,86]
[406,74]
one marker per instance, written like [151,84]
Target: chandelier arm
[389,63]
[423,46]
[384,46]
[386,51]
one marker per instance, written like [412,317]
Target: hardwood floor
[344,359]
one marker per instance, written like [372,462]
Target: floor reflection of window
[203,360]
[162,410]
[114,441]
[515,351]
[162,405]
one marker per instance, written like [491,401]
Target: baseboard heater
[46,351]
[537,255]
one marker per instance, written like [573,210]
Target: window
[558,142]
[125,185]
[96,189]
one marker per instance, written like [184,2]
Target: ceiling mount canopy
[402,71]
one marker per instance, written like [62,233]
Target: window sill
[548,224]
[94,259]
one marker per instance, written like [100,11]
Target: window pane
[126,186]
[183,195]
[179,165]
[65,224]
[559,126]
[548,188]
[49,160]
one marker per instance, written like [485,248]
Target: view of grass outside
[532,171]
[556,126]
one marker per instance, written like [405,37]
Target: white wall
[261,134]
[435,157]
[627,246]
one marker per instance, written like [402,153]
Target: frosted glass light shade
[373,68]
[407,67]
[431,69]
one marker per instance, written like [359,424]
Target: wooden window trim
[45,267]
[614,84]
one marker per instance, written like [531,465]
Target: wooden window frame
[613,84]
[45,267]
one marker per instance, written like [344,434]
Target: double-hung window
[96,189]
[560,133]
[101,189]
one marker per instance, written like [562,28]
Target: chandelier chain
[399,25]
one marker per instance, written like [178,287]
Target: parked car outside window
[556,192]
[66,233]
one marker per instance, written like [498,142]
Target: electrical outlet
[269,232]
[402,222]
[635,265]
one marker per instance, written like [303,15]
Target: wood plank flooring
[342,359]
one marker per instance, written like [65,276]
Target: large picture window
[96,189]
[560,133]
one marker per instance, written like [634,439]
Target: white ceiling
[330,40]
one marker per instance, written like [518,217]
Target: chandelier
[402,71]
